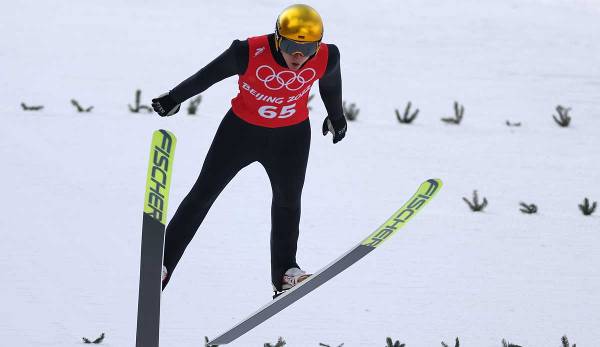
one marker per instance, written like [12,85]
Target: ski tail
[156,199]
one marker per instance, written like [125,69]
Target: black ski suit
[283,152]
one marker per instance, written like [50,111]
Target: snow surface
[74,183]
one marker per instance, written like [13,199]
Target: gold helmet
[299,23]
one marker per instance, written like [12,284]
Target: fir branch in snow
[457,344]
[309,100]
[563,116]
[565,342]
[394,344]
[206,340]
[350,112]
[407,117]
[324,345]
[280,343]
[586,208]
[138,107]
[508,123]
[193,107]
[528,208]
[475,205]
[31,108]
[459,112]
[81,109]
[96,341]
[100,339]
[508,344]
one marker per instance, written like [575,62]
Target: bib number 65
[271,112]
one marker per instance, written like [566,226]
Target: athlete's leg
[229,153]
[285,162]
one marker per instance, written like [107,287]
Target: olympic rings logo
[288,79]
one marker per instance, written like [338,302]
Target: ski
[153,237]
[424,194]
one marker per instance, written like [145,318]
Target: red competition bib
[271,95]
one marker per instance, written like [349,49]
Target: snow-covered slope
[73,184]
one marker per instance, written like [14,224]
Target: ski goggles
[307,49]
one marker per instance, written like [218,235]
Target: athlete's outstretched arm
[330,88]
[225,65]
[231,62]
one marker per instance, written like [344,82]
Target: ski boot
[292,277]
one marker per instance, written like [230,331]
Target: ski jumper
[268,123]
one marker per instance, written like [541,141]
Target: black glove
[336,126]
[165,106]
